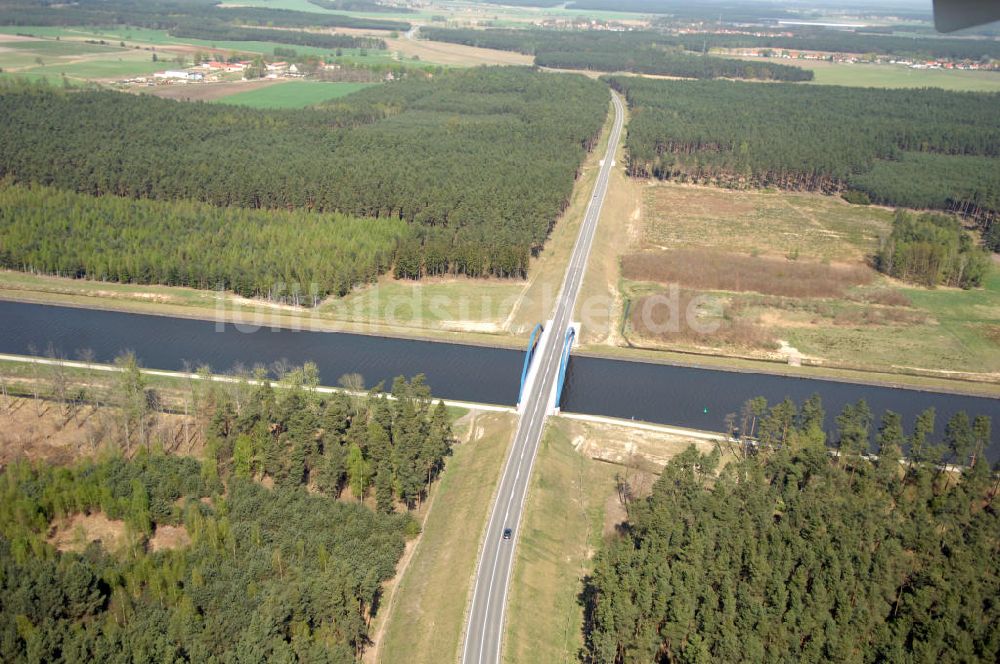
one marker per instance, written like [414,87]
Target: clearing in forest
[787,276]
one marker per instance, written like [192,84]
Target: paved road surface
[484,631]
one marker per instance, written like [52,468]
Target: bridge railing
[532,345]
[564,363]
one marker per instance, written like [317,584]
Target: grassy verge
[181,302]
[548,271]
[428,613]
[599,304]
[572,507]
[562,527]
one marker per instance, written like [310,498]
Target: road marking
[481,620]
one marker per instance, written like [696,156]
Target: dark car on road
[507,533]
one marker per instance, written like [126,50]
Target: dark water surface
[680,396]
[453,371]
[701,398]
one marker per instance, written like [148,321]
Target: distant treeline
[168,14]
[678,9]
[367,6]
[525,3]
[479,162]
[640,52]
[791,554]
[689,11]
[536,42]
[913,148]
[658,62]
[854,42]
[225,32]
[179,243]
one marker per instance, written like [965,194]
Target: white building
[179,74]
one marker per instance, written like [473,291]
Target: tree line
[478,162]
[666,63]
[226,32]
[168,14]
[367,6]
[933,250]
[640,52]
[292,572]
[840,41]
[789,553]
[743,12]
[912,148]
[182,243]
[677,9]
[387,445]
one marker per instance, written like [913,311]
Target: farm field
[892,76]
[306,6]
[209,92]
[455,11]
[292,94]
[785,277]
[72,42]
[897,76]
[51,59]
[133,36]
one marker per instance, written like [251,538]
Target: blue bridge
[536,335]
[564,364]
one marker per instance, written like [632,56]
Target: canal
[680,396]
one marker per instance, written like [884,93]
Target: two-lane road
[484,631]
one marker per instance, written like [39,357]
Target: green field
[292,94]
[98,69]
[53,48]
[51,59]
[499,13]
[131,36]
[72,34]
[898,76]
[306,6]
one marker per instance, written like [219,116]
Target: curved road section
[484,631]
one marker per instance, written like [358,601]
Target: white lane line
[531,424]
[563,312]
[518,439]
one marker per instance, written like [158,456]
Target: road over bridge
[484,631]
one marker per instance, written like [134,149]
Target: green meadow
[898,76]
